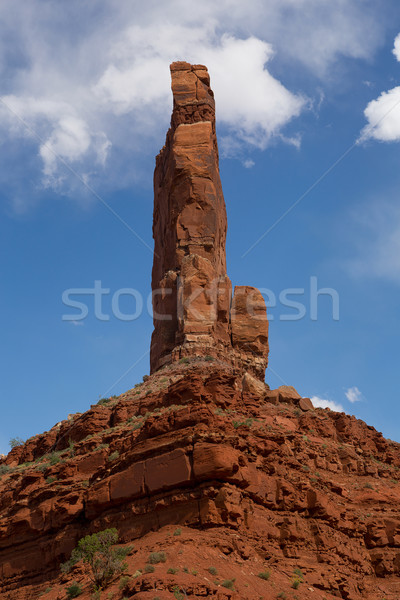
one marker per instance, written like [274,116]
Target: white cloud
[93,84]
[321,403]
[396,49]
[353,394]
[383,114]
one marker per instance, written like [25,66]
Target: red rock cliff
[191,289]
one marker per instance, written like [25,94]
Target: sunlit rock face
[194,314]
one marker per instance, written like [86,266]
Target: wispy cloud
[353,394]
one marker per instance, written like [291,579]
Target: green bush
[123,582]
[177,593]
[264,575]
[228,583]
[178,531]
[103,401]
[96,551]
[157,557]
[74,590]
[113,456]
[4,469]
[295,583]
[172,571]
[54,458]
[149,569]
[212,571]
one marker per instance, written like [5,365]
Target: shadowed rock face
[192,294]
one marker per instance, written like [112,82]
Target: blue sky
[308,113]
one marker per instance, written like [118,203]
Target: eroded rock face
[256,480]
[191,290]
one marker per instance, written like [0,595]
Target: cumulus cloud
[322,403]
[353,394]
[95,90]
[383,114]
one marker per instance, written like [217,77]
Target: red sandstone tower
[194,312]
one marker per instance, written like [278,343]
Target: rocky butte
[245,492]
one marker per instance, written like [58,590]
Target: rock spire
[194,312]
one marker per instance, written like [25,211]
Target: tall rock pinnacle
[194,312]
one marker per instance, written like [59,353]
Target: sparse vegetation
[123,582]
[229,584]
[369,486]
[264,575]
[4,469]
[178,531]
[96,551]
[209,358]
[17,441]
[248,422]
[113,456]
[212,571]
[184,361]
[157,557]
[149,569]
[51,480]
[172,571]
[74,590]
[177,593]
[103,401]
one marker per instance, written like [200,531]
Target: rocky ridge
[256,482]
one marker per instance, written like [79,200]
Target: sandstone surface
[194,314]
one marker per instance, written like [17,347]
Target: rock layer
[191,289]
[256,480]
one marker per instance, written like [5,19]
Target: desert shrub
[177,593]
[4,469]
[157,557]
[113,456]
[103,401]
[212,571]
[228,583]
[54,458]
[298,572]
[172,571]
[50,480]
[17,441]
[74,590]
[96,551]
[264,575]
[178,531]
[295,583]
[209,358]
[149,569]
[184,361]
[123,582]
